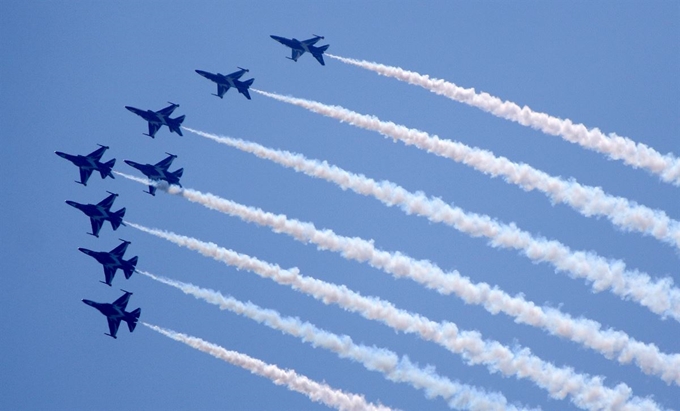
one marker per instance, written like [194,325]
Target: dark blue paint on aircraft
[101,212]
[226,81]
[113,260]
[157,119]
[159,172]
[299,48]
[90,163]
[115,312]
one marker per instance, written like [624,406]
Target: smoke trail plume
[458,396]
[610,343]
[588,201]
[637,155]
[659,296]
[317,392]
[560,382]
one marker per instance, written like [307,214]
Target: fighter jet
[225,81]
[159,172]
[160,118]
[298,47]
[115,312]
[113,260]
[90,163]
[101,212]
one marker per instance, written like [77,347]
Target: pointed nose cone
[86,251]
[90,303]
[132,164]
[202,73]
[277,38]
[130,108]
[62,155]
[73,204]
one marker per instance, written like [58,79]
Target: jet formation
[157,119]
[115,313]
[299,48]
[89,163]
[159,172]
[113,260]
[226,81]
[101,212]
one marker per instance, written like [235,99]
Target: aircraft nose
[131,109]
[72,203]
[85,250]
[88,302]
[130,163]
[60,154]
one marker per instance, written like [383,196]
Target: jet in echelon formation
[115,312]
[159,172]
[89,163]
[113,260]
[101,212]
[98,213]
[157,119]
[299,48]
[226,81]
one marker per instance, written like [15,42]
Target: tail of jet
[178,175]
[132,318]
[318,53]
[130,269]
[107,167]
[244,86]
[117,218]
[175,123]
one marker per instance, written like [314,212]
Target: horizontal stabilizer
[117,218]
[132,318]
[106,170]
[130,269]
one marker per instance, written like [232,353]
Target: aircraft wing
[113,326]
[295,54]
[153,128]
[96,226]
[221,89]
[165,163]
[97,154]
[165,112]
[120,250]
[122,301]
[85,174]
[312,41]
[109,273]
[245,92]
[107,202]
[319,58]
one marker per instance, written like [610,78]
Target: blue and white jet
[226,81]
[89,163]
[159,172]
[101,212]
[299,48]
[157,119]
[113,260]
[115,312]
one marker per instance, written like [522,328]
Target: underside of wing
[113,326]
[96,226]
[296,53]
[153,128]
[109,273]
[85,174]
[221,89]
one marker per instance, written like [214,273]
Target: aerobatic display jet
[160,118]
[101,212]
[115,312]
[113,260]
[299,48]
[89,163]
[226,81]
[159,172]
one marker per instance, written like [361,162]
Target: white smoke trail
[317,392]
[458,396]
[560,382]
[659,296]
[588,201]
[667,166]
[610,343]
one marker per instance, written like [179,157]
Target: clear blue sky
[67,69]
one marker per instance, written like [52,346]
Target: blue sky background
[67,69]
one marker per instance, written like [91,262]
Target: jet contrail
[637,155]
[316,391]
[608,342]
[659,296]
[587,200]
[458,396]
[583,390]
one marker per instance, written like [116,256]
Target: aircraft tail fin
[178,174]
[128,271]
[117,218]
[318,53]
[108,166]
[132,318]
[243,87]
[175,124]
